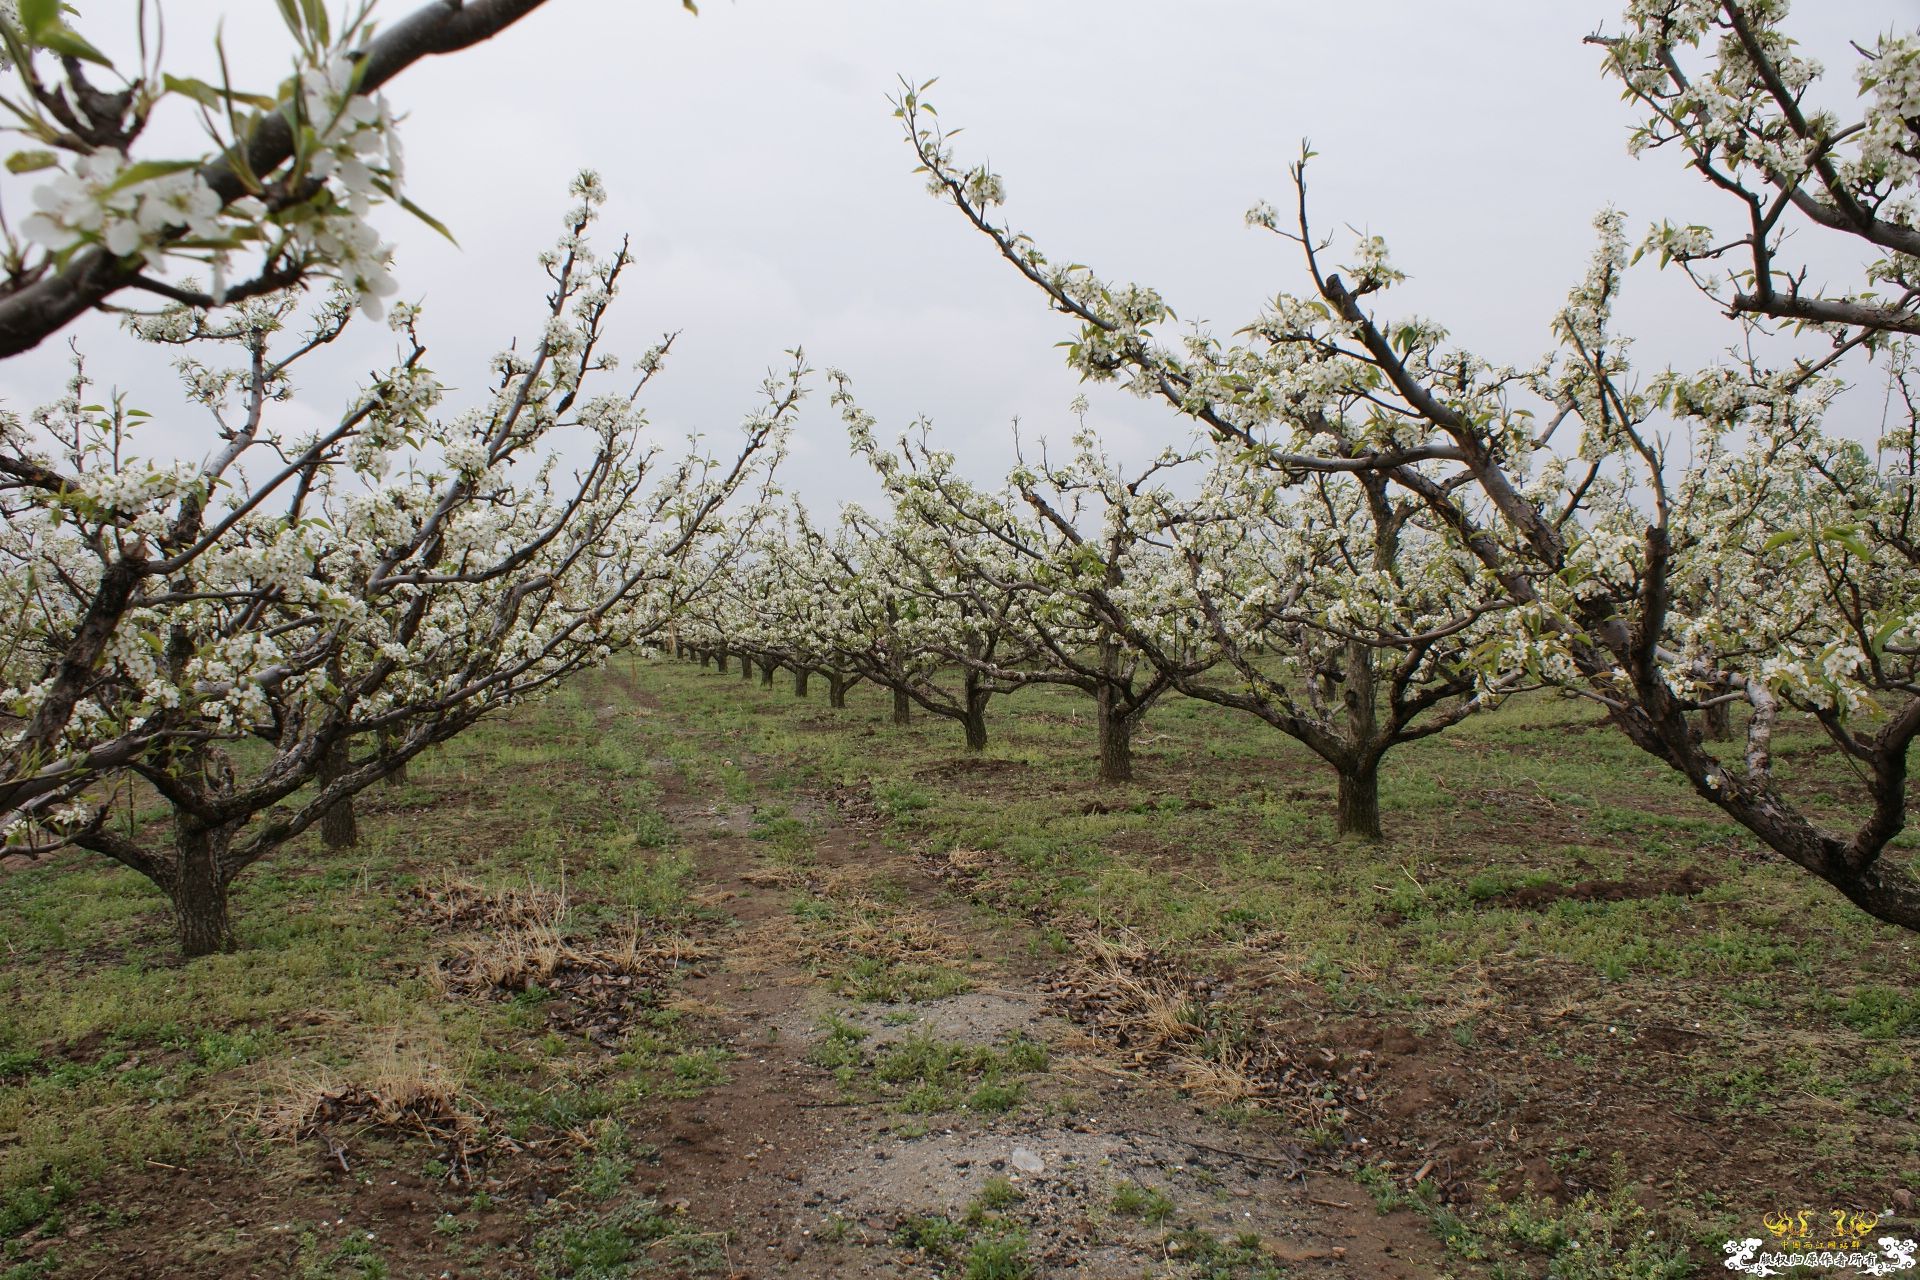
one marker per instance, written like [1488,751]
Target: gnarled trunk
[720,661]
[837,687]
[338,828]
[800,675]
[1716,722]
[198,889]
[902,706]
[767,668]
[1360,801]
[746,666]
[975,718]
[975,723]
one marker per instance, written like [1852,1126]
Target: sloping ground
[672,976]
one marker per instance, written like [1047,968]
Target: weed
[931,1234]
[1132,1200]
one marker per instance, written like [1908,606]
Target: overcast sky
[752,155]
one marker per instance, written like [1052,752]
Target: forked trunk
[198,889]
[800,675]
[338,829]
[1360,802]
[837,687]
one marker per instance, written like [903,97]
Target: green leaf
[414,209]
[209,96]
[69,43]
[1885,633]
[316,11]
[39,16]
[147,170]
[1852,542]
[29,161]
[1779,540]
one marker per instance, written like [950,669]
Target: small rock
[1027,1162]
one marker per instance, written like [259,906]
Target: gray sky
[752,155]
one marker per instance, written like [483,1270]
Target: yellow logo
[1832,1229]
[1833,1239]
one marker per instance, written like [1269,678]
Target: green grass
[115,1058]
[1763,1006]
[1132,1200]
[1220,860]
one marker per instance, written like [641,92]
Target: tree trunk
[720,661]
[767,668]
[1360,801]
[800,675]
[837,687]
[746,667]
[398,778]
[1716,722]
[902,707]
[338,829]
[1116,738]
[975,720]
[199,890]
[705,659]
[975,723]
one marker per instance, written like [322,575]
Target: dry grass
[398,1086]
[1157,1013]
[523,937]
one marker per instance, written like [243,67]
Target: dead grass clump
[1223,1078]
[454,902]
[523,937]
[398,1091]
[1162,1017]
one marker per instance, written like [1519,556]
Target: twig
[1295,1168]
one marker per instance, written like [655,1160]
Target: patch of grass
[883,980]
[932,1234]
[996,1096]
[1132,1200]
[839,1051]
[897,799]
[613,1245]
[998,1194]
[1000,1255]
[1205,1256]
[1882,1013]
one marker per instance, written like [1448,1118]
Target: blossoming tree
[281,191]
[1060,543]
[374,591]
[1668,545]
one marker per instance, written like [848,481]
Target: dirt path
[961,1132]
